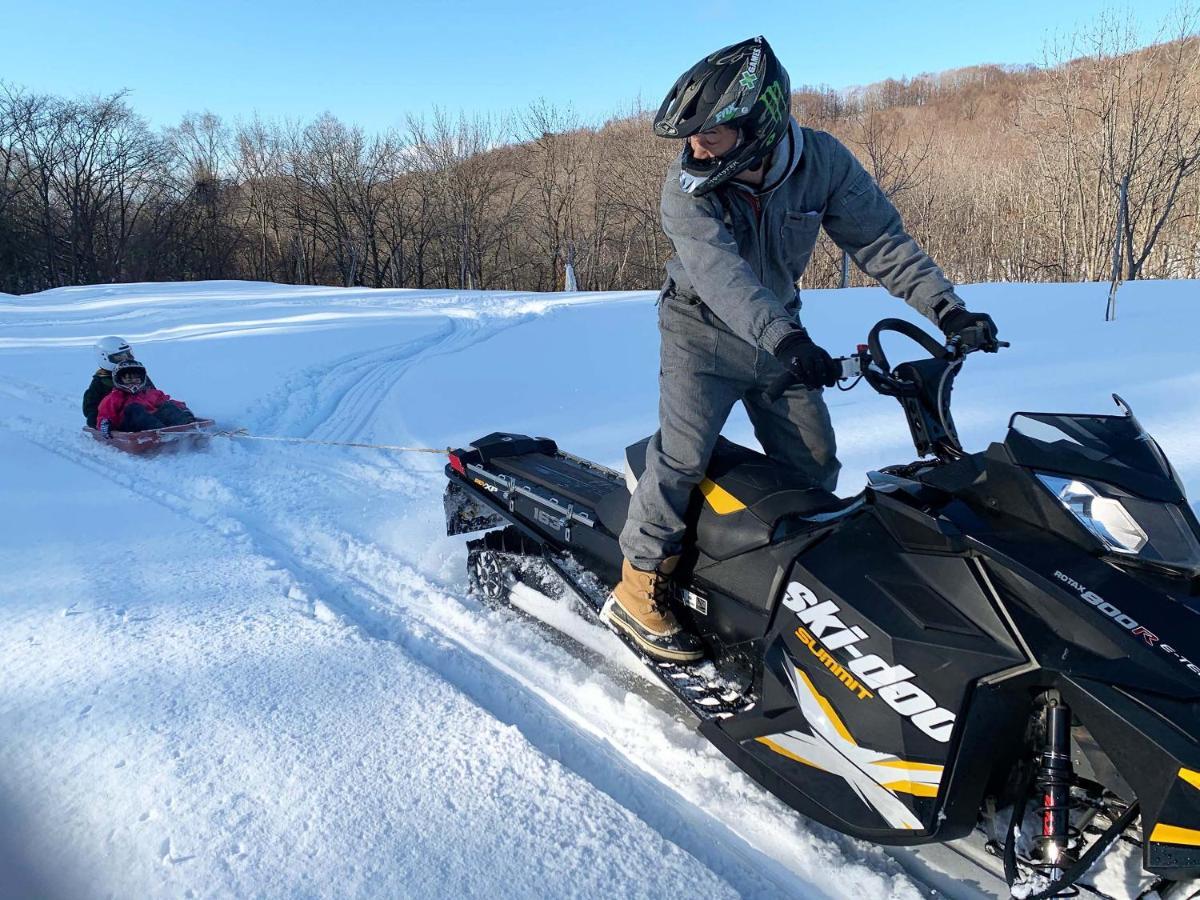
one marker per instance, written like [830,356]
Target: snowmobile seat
[749,499]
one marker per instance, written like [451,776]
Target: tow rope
[243,434]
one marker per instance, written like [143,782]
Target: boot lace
[662,593]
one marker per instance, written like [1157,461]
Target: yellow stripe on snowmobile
[722,502]
[783,751]
[909,766]
[834,720]
[915,788]
[1175,834]
[1192,778]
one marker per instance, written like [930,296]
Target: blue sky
[371,62]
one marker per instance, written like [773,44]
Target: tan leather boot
[640,606]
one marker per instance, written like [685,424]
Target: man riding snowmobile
[743,206]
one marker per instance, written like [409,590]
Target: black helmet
[742,86]
[129,376]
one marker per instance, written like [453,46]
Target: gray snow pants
[705,370]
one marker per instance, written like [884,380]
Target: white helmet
[112,350]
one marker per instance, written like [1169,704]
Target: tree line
[1002,173]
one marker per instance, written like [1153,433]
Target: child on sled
[135,405]
[110,352]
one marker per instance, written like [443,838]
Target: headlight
[1103,516]
[1153,531]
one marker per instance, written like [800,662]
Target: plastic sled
[170,439]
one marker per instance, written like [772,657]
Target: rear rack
[507,487]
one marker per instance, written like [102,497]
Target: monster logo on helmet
[725,88]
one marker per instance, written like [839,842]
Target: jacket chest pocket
[798,234]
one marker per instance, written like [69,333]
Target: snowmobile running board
[696,685]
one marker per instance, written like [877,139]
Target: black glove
[811,365]
[976,331]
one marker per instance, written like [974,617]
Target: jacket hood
[784,160]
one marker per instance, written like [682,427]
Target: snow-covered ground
[255,670]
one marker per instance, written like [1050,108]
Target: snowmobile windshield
[1113,449]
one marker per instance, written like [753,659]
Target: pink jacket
[113,406]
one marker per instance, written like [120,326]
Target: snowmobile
[171,438]
[1002,645]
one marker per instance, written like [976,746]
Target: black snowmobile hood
[1116,617]
[1084,616]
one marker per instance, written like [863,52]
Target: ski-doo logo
[892,683]
[1127,622]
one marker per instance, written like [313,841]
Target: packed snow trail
[194,724]
[358,575]
[383,595]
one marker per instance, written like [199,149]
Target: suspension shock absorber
[1053,784]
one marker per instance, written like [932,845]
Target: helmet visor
[121,356]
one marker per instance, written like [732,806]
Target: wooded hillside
[1002,173]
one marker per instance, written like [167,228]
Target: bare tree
[1110,113]
[1154,143]
[893,155]
[454,159]
[258,169]
[554,162]
[1001,172]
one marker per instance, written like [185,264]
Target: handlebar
[872,363]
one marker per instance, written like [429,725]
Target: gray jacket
[744,266]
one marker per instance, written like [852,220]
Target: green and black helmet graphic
[742,86]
